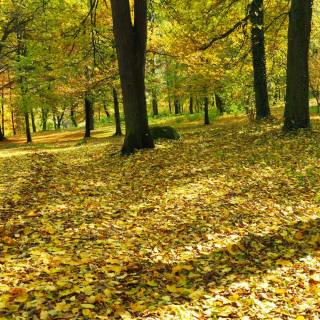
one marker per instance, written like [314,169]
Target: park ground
[222,224]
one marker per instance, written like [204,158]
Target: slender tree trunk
[33,122]
[130,39]
[219,104]
[206,111]
[73,117]
[116,113]
[170,106]
[259,59]
[106,109]
[44,118]
[191,105]
[92,114]
[176,106]
[27,124]
[88,115]
[12,113]
[297,114]
[2,112]
[54,121]
[155,110]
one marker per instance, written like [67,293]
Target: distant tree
[130,39]
[297,113]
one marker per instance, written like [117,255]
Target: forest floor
[223,224]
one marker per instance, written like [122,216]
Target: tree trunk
[191,105]
[54,121]
[155,110]
[92,114]
[33,122]
[106,109]
[116,113]
[170,106]
[219,104]
[27,124]
[73,117]
[130,39]
[2,112]
[297,114]
[206,111]
[176,106]
[88,115]
[259,60]
[44,118]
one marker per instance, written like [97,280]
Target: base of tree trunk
[292,126]
[133,142]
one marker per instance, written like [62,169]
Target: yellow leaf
[107,293]
[284,263]
[181,267]
[280,291]
[300,318]
[87,306]
[152,283]
[16,197]
[87,312]
[44,315]
[172,289]
[138,307]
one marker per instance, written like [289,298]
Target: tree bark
[2,112]
[219,104]
[27,124]
[33,122]
[44,118]
[88,115]
[116,113]
[106,109]
[176,106]
[155,110]
[259,60]
[73,116]
[191,105]
[130,39]
[297,114]
[206,111]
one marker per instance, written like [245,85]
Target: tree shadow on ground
[253,256]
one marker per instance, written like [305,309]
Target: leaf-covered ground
[223,224]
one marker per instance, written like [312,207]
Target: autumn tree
[130,39]
[297,97]
[259,59]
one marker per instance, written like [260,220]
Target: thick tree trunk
[27,124]
[155,110]
[191,105]
[206,111]
[259,60]
[297,113]
[33,122]
[130,39]
[116,113]
[88,115]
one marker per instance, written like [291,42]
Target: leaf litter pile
[223,224]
